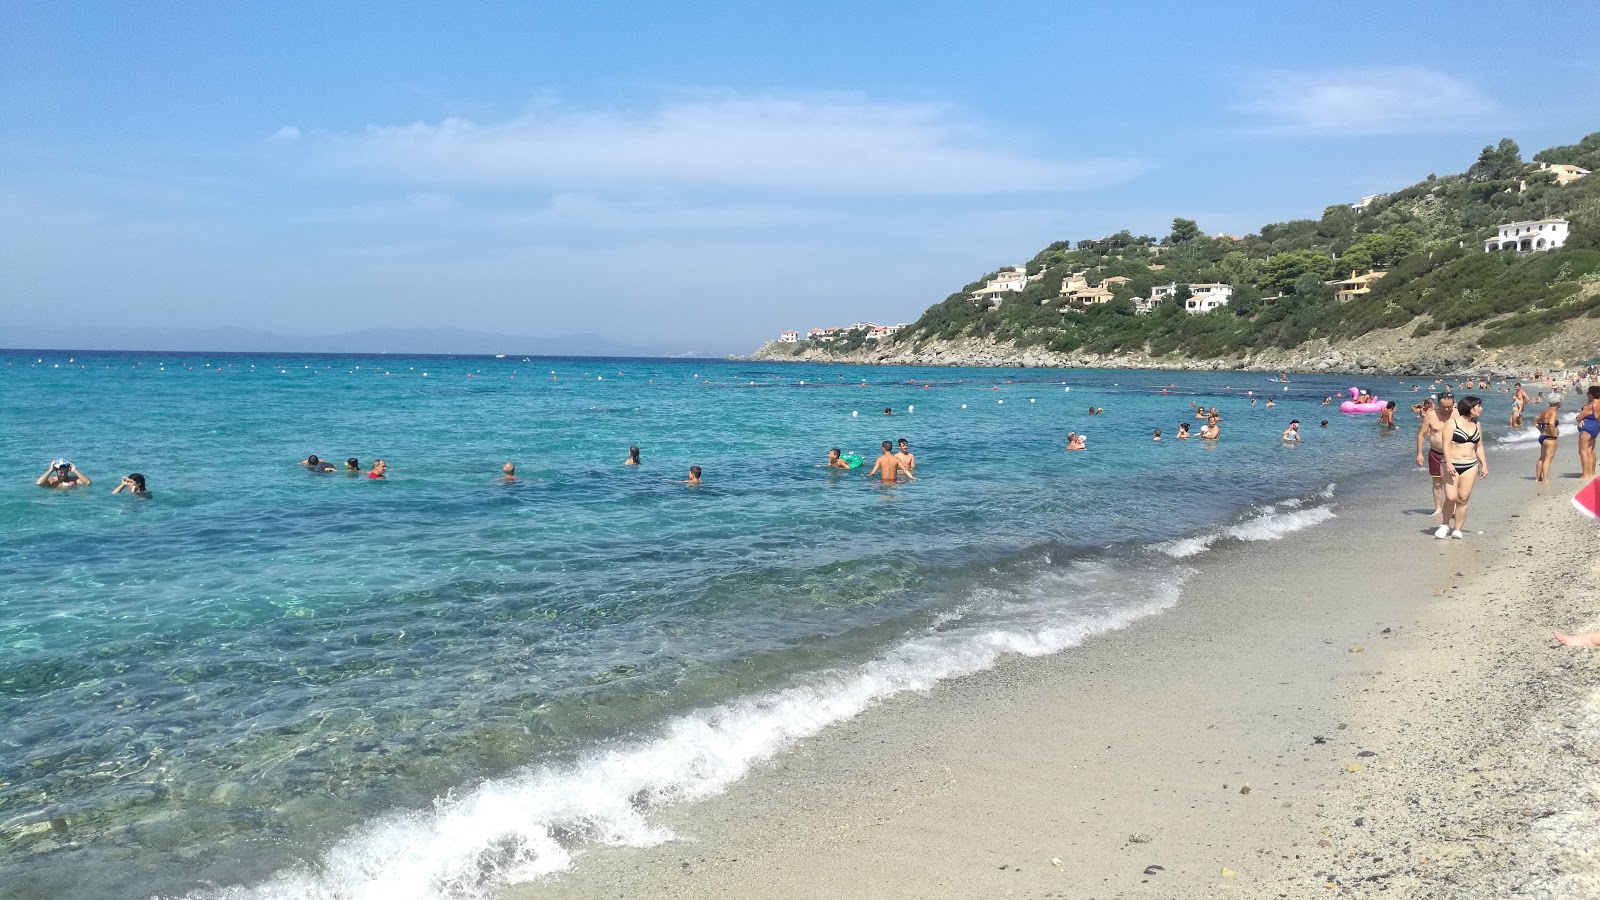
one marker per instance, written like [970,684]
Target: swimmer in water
[1271,403]
[1386,418]
[312,463]
[62,475]
[1076,441]
[633,457]
[1291,435]
[378,470]
[1183,431]
[352,465]
[1211,430]
[133,484]
[1324,423]
[508,472]
[1156,438]
[887,411]
[694,476]
[835,460]
[907,461]
[888,467]
[1326,401]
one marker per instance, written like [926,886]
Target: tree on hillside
[1281,272]
[1584,154]
[1380,249]
[1497,163]
[1184,231]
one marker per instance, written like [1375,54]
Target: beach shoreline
[1352,708]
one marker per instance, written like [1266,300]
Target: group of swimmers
[888,467]
[352,466]
[64,475]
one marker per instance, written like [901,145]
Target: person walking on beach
[907,461]
[888,467]
[1588,429]
[1435,419]
[1464,465]
[1549,425]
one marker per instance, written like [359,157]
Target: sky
[699,177]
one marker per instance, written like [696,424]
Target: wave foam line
[1275,521]
[523,827]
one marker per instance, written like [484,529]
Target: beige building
[1564,173]
[1347,289]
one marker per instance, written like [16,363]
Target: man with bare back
[889,467]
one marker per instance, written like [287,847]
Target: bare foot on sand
[1589,639]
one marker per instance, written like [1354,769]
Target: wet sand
[1355,709]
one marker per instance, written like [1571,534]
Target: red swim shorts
[1435,463]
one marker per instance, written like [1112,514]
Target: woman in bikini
[1549,429]
[1588,428]
[1464,465]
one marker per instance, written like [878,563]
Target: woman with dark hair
[133,484]
[1588,428]
[633,457]
[1463,465]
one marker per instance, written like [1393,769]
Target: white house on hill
[789,337]
[1529,237]
[1206,297]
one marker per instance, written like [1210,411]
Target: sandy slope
[1392,702]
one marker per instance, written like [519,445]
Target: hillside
[1426,293]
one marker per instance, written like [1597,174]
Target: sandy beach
[1354,709]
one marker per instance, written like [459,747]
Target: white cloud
[829,144]
[286,133]
[1391,100]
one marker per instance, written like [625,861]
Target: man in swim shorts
[1434,432]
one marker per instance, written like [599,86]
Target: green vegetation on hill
[1428,238]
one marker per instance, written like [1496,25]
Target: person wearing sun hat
[61,475]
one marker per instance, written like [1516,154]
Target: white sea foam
[519,828]
[1530,435]
[1272,522]
[533,824]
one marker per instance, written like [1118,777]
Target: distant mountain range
[372,340]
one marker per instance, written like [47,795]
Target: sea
[259,682]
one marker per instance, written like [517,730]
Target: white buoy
[911,409]
[999,401]
[1065,389]
[1031,400]
[854,412]
[963,406]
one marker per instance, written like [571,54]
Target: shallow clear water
[219,685]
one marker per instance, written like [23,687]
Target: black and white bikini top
[1461,437]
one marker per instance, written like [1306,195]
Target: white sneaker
[1457,534]
[1442,532]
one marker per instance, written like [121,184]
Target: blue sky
[700,177]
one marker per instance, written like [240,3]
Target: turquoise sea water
[270,683]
